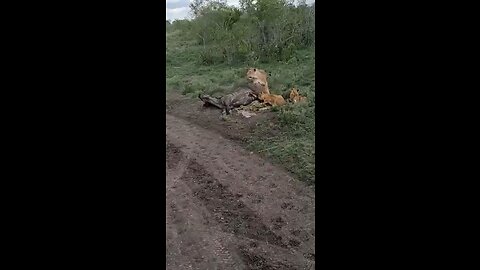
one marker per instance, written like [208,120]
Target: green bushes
[258,31]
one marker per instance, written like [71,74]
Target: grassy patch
[292,141]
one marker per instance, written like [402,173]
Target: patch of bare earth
[236,127]
[227,208]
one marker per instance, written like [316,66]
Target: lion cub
[272,99]
[295,96]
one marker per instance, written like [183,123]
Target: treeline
[259,30]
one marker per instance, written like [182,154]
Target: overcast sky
[178,9]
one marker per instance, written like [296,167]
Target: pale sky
[178,9]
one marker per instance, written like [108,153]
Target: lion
[272,99]
[258,75]
[258,88]
[255,73]
[295,96]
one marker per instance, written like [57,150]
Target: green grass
[292,144]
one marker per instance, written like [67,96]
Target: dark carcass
[241,97]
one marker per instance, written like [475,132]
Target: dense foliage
[258,31]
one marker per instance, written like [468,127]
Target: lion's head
[257,74]
[295,96]
[293,93]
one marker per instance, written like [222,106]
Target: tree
[195,6]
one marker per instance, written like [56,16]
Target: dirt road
[230,209]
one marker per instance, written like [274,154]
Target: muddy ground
[228,208]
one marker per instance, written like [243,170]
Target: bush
[260,31]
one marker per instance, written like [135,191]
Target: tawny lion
[259,75]
[260,89]
[272,99]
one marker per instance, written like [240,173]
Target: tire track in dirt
[227,208]
[233,205]
[191,243]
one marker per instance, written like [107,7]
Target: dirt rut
[229,209]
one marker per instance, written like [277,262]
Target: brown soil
[236,127]
[226,207]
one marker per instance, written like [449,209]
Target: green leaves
[260,31]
